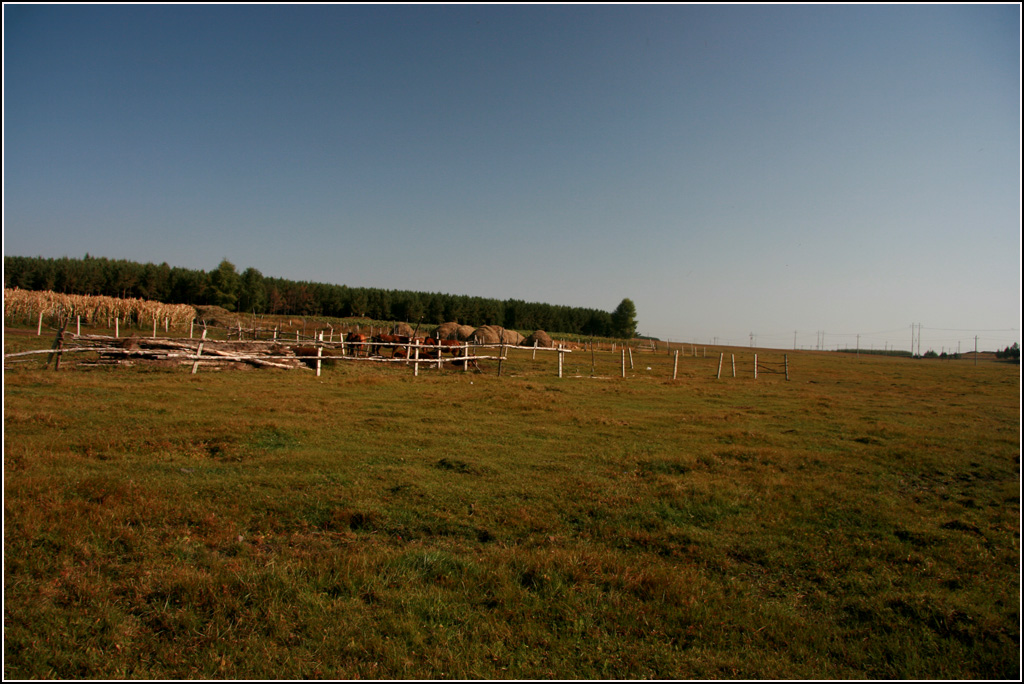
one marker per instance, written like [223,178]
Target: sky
[784,176]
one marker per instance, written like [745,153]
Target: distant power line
[975,330]
[921,338]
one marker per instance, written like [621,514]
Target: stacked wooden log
[163,350]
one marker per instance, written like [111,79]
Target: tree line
[250,291]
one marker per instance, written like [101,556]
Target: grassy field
[859,521]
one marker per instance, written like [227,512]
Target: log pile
[101,350]
[127,351]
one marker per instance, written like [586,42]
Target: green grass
[860,521]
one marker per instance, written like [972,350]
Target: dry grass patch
[861,522]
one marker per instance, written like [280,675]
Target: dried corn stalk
[93,309]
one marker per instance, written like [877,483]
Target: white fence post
[199,352]
[319,354]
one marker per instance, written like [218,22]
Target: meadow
[859,521]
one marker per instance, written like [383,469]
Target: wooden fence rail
[313,353]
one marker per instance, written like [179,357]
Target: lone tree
[624,319]
[224,285]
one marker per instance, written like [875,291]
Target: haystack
[217,316]
[487,334]
[447,331]
[465,332]
[495,334]
[511,337]
[541,338]
[402,329]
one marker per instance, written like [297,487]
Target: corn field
[26,305]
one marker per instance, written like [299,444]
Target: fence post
[559,360]
[319,352]
[755,366]
[675,365]
[58,345]
[191,326]
[199,352]
[721,357]
[117,326]
[40,331]
[786,357]
[623,363]
[416,359]
[154,325]
[733,365]
[630,357]
[78,326]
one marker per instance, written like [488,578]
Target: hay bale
[487,334]
[495,334]
[465,332]
[446,331]
[216,316]
[511,337]
[403,329]
[541,338]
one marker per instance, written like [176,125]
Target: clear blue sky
[782,171]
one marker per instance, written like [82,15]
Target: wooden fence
[269,348]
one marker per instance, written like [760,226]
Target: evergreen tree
[224,285]
[624,319]
[251,292]
[252,295]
